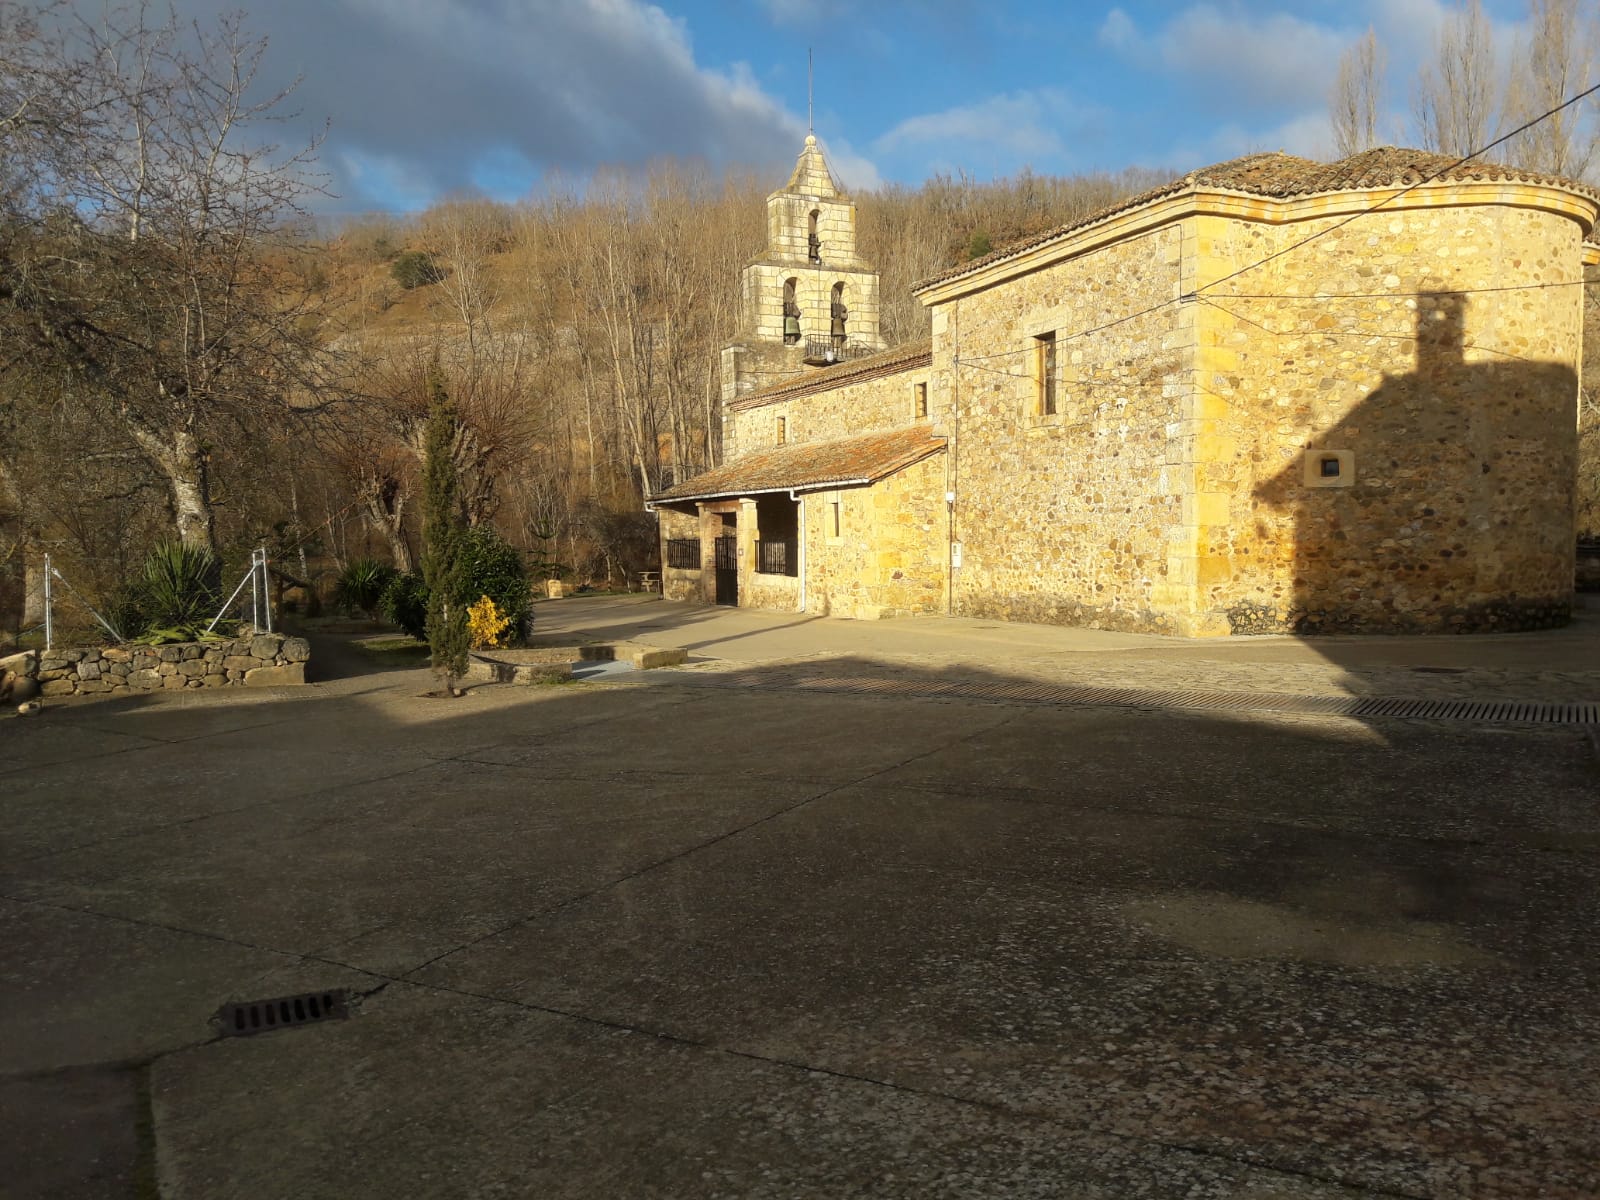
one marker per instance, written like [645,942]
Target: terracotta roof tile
[847,461]
[889,362]
[1281,176]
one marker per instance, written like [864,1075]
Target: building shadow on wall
[1441,503]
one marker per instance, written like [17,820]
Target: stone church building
[1271,395]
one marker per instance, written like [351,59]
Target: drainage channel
[1520,712]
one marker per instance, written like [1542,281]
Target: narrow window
[783,430]
[839,313]
[833,510]
[1045,369]
[813,241]
[921,401]
[791,312]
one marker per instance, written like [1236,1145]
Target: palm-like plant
[179,586]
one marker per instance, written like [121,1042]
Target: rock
[217,680]
[145,679]
[169,654]
[144,659]
[284,676]
[30,709]
[71,656]
[88,670]
[174,681]
[296,649]
[92,655]
[166,668]
[17,688]
[89,686]
[241,662]
[25,663]
[120,669]
[192,651]
[265,646]
[58,672]
[58,687]
[192,667]
[234,676]
[214,655]
[117,654]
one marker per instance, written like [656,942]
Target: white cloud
[1242,58]
[1022,127]
[426,94]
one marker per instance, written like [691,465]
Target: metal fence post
[266,588]
[49,606]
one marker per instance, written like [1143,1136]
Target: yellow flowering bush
[485,625]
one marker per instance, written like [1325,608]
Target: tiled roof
[848,461]
[889,362]
[1281,176]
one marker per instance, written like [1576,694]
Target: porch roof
[810,466]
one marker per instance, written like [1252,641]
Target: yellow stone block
[1213,569]
[1206,508]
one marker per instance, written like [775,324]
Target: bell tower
[809,300]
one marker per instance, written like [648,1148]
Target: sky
[429,98]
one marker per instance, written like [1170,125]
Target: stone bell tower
[809,300]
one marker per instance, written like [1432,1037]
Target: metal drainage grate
[286,1012]
[1194,700]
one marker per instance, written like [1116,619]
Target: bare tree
[1456,98]
[1357,96]
[1560,59]
[139,253]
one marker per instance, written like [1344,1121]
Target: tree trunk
[182,459]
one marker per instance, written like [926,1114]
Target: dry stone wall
[263,660]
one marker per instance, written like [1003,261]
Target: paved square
[645,939]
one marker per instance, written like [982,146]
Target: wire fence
[256,578]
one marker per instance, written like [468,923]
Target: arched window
[791,312]
[839,314]
[813,241]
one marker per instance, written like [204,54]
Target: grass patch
[394,649]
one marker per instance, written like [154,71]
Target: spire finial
[811,124]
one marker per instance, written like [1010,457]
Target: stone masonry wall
[1453,409]
[679,583]
[890,556]
[867,407]
[264,660]
[1071,518]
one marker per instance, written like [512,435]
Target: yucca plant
[178,587]
[362,584]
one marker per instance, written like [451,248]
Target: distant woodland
[187,353]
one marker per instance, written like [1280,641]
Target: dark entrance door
[728,569]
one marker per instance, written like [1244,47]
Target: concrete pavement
[652,940]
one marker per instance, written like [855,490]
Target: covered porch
[800,528]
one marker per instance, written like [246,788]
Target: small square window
[1329,467]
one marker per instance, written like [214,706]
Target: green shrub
[178,587]
[405,603]
[487,566]
[414,269]
[362,584]
[491,567]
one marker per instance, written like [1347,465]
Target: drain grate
[1525,712]
[286,1012]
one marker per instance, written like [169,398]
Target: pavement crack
[678,856]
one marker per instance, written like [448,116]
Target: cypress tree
[442,525]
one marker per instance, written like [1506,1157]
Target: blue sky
[430,97]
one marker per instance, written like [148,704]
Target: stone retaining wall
[263,660]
